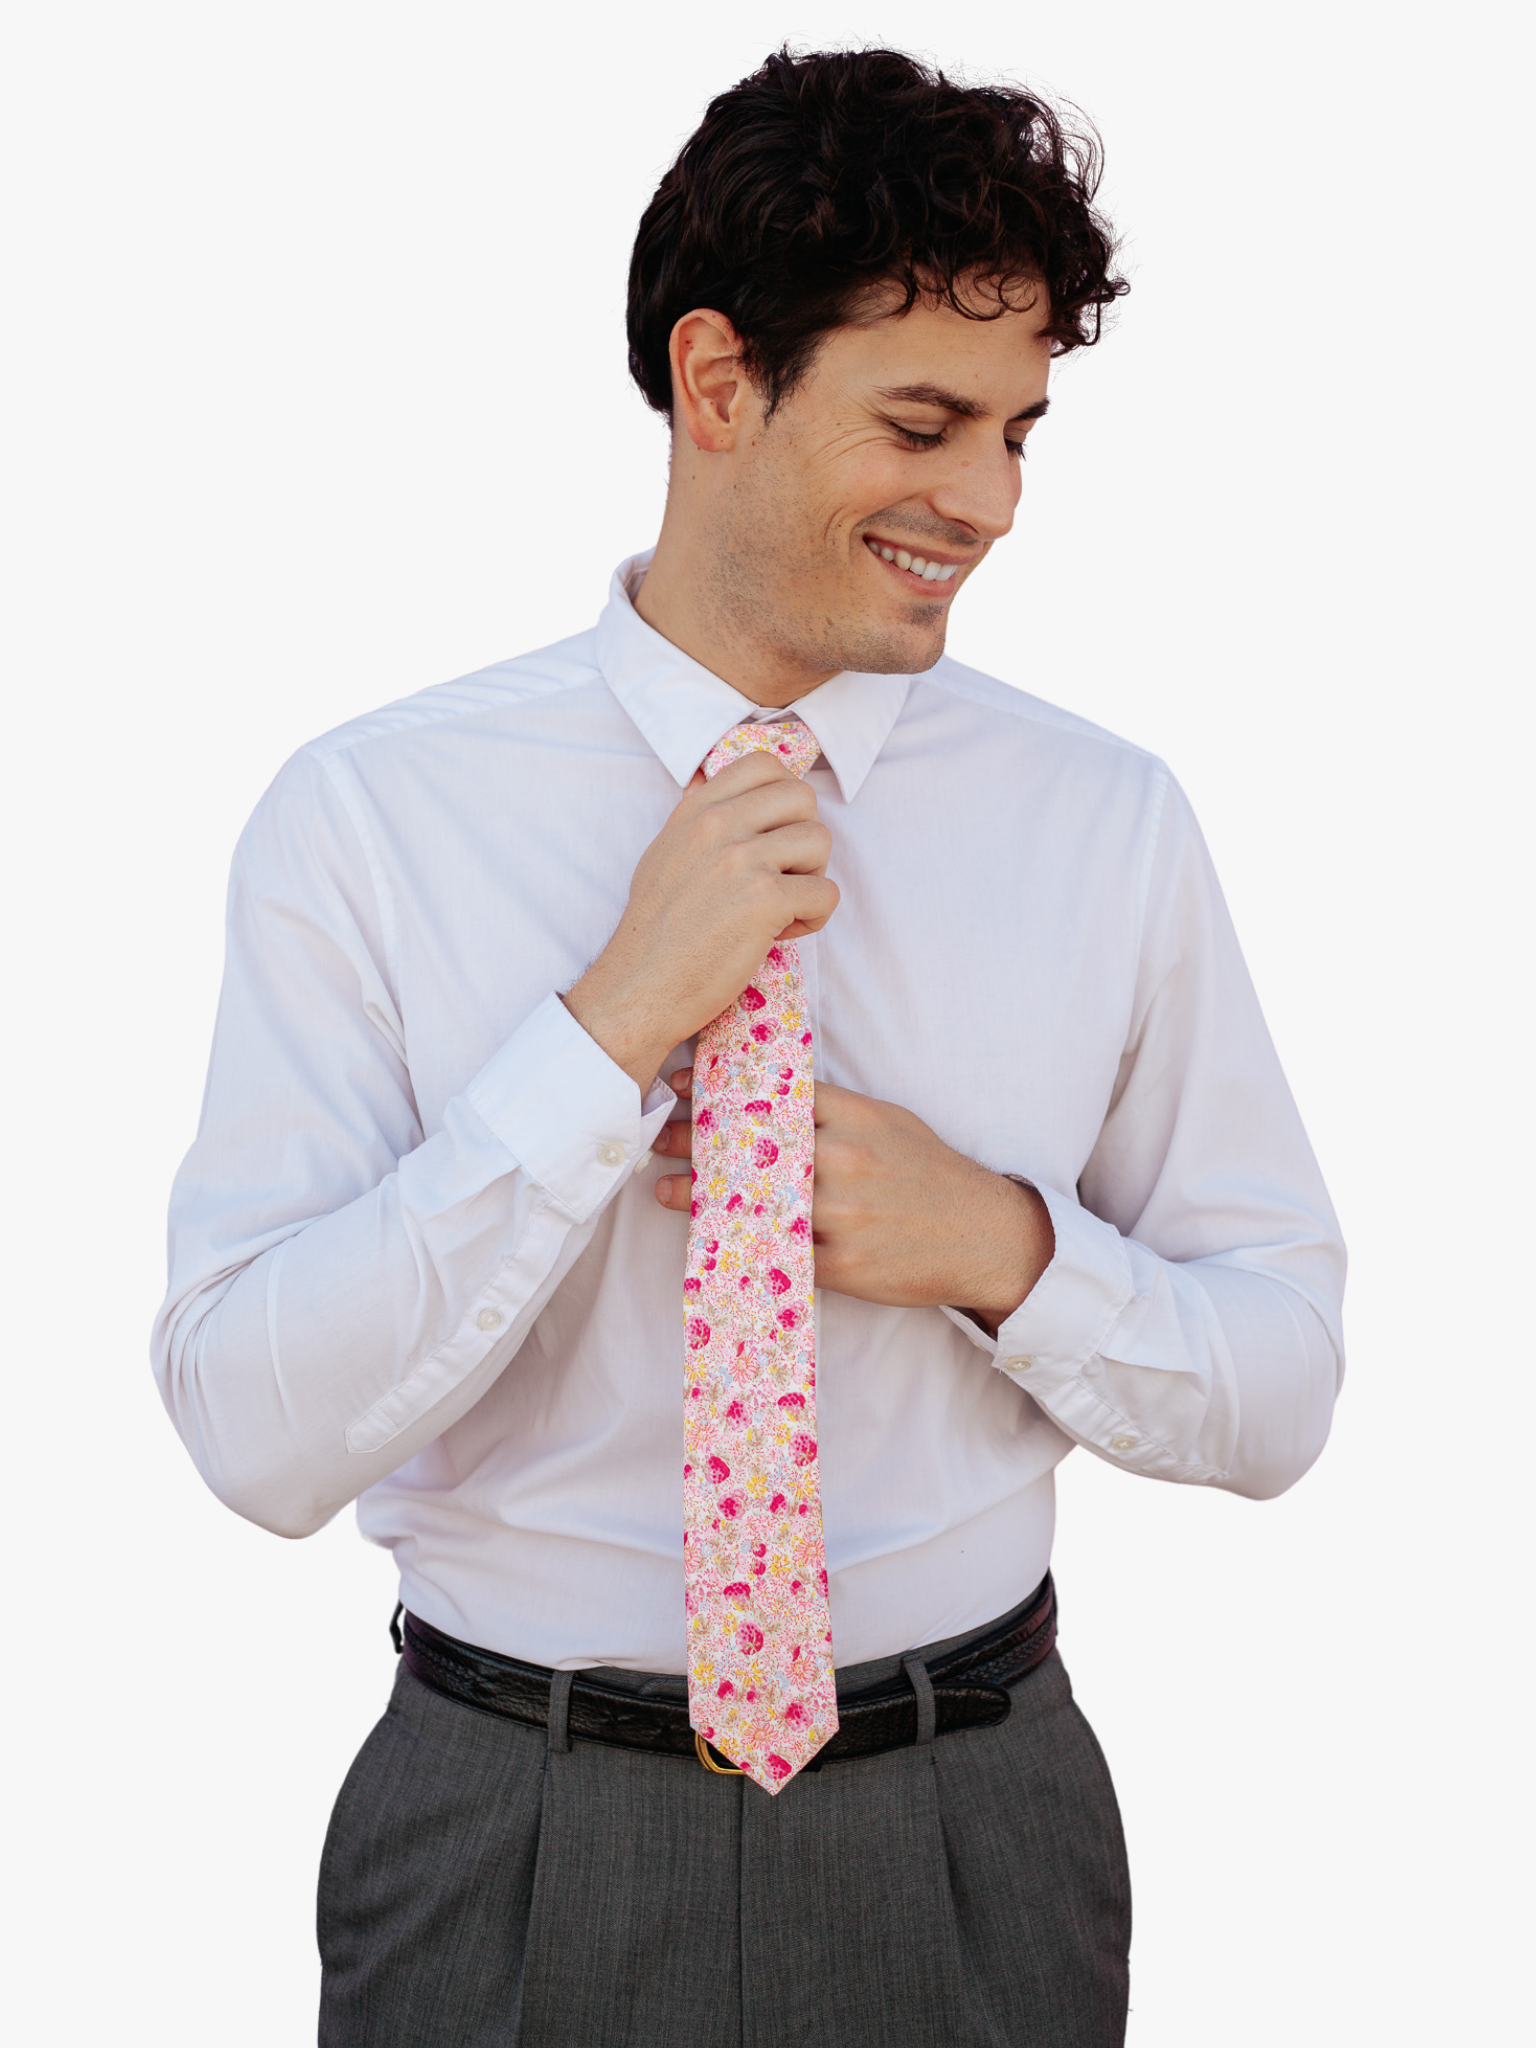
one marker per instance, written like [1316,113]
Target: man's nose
[981,492]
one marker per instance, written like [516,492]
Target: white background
[316,394]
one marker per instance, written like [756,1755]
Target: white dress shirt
[416,1256]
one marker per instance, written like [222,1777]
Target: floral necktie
[761,1686]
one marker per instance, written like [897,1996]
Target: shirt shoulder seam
[441,703]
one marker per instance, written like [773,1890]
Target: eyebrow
[952,401]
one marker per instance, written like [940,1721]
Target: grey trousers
[483,1889]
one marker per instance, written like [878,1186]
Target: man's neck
[675,601]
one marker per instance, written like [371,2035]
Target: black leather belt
[969,1690]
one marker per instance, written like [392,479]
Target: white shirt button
[1017,1364]
[611,1154]
[489,1319]
[1122,1443]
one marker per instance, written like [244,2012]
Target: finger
[681,1083]
[674,1141]
[740,778]
[675,1191]
[784,802]
[826,1098]
[811,900]
[800,847]
[750,769]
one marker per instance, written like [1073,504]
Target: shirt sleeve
[344,1287]
[1188,1326]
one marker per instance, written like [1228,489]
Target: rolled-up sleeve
[344,1287]
[1188,1326]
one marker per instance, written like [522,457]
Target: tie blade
[761,1681]
[774,1763]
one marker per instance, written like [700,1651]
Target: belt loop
[394,1629]
[922,1685]
[560,1709]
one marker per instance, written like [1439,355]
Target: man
[439,1240]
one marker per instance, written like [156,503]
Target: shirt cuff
[1066,1316]
[568,1114]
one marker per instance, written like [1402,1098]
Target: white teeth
[931,572]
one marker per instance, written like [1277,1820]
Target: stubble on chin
[788,618]
[871,651]
[825,634]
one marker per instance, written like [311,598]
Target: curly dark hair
[825,174]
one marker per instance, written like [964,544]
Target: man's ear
[711,393]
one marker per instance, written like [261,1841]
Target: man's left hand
[898,1216]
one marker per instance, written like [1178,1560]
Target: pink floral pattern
[761,1686]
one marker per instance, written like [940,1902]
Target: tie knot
[789,740]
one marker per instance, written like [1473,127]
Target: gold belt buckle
[720,1770]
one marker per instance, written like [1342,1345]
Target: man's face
[860,508]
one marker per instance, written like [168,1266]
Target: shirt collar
[682,709]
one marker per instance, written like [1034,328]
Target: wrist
[1014,1246]
[613,1019]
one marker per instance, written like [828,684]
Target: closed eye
[910,438]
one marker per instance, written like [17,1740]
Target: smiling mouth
[919,568]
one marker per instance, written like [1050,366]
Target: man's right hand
[740,863]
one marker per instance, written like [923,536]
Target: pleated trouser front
[480,1889]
